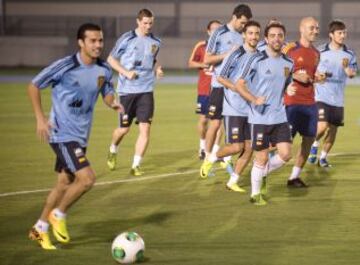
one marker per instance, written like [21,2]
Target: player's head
[90,39]
[145,21]
[241,14]
[337,32]
[251,33]
[275,36]
[309,29]
[273,20]
[212,26]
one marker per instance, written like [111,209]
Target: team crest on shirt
[154,48]
[286,71]
[100,81]
[345,62]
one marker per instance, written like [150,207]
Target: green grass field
[183,220]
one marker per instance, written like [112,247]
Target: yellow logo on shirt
[286,71]
[154,48]
[345,62]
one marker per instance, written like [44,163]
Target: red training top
[204,80]
[305,59]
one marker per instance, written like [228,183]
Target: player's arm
[214,59]
[42,124]
[351,68]
[243,90]
[115,64]
[194,60]
[112,103]
[226,83]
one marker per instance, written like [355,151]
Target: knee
[286,156]
[237,148]
[88,182]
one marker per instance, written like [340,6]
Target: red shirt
[204,80]
[305,59]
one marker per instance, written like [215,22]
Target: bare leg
[143,139]
[211,132]
[202,126]
[118,135]
[55,195]
[244,158]
[330,138]
[84,180]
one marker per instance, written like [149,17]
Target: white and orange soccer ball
[128,247]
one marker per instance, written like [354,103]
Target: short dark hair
[144,13]
[84,27]
[212,22]
[242,10]
[336,25]
[274,25]
[251,23]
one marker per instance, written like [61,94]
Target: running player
[196,61]
[235,108]
[76,82]
[301,108]
[134,59]
[337,63]
[267,74]
[222,42]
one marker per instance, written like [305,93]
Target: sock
[295,173]
[234,178]
[113,148]
[42,226]
[59,214]
[227,158]
[215,148]
[202,144]
[323,155]
[257,173]
[136,161]
[212,157]
[316,143]
[275,162]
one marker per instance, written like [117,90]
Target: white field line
[135,179]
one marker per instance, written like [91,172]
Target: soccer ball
[128,247]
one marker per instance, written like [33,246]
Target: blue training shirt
[268,76]
[136,53]
[332,63]
[75,89]
[222,40]
[231,69]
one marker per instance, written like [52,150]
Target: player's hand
[43,127]
[209,70]
[320,77]
[131,75]
[117,107]
[350,72]
[260,101]
[302,76]
[291,90]
[159,72]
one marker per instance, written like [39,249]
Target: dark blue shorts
[303,119]
[70,157]
[202,104]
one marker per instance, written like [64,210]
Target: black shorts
[202,104]
[139,105]
[303,119]
[264,135]
[331,114]
[70,156]
[237,129]
[216,99]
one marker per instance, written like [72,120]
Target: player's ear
[81,43]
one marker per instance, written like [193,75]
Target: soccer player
[134,59]
[222,42]
[337,63]
[263,83]
[301,108]
[76,82]
[196,61]
[235,108]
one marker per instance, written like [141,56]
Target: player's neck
[335,46]
[140,33]
[273,53]
[248,48]
[86,59]
[305,43]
